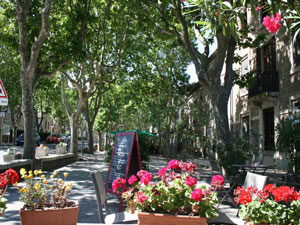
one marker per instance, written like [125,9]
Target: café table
[243,168]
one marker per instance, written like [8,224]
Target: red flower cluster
[9,176]
[282,193]
[244,196]
[217,181]
[12,176]
[118,183]
[272,24]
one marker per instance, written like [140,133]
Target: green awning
[138,131]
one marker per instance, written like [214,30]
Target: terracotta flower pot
[50,216]
[162,219]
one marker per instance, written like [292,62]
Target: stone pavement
[83,191]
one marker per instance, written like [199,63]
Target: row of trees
[125,60]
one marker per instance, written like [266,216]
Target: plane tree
[47,35]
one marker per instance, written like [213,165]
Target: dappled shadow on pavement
[83,190]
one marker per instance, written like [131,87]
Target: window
[296,106]
[268,120]
[245,126]
[266,57]
[245,65]
[296,50]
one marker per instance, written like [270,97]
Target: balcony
[265,82]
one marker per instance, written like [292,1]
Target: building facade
[275,91]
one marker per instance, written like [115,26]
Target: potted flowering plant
[273,205]
[171,195]
[9,176]
[10,155]
[41,151]
[61,148]
[44,199]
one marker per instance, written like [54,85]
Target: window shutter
[296,51]
[258,60]
[273,43]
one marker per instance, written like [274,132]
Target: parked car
[53,138]
[66,137]
[20,139]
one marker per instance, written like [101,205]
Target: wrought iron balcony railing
[265,82]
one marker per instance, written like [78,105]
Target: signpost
[125,160]
[3,95]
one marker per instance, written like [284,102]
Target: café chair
[281,169]
[222,219]
[255,180]
[114,218]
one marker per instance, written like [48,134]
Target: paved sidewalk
[83,190]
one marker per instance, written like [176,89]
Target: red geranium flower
[12,176]
[283,193]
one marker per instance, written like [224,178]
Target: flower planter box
[51,216]
[8,158]
[61,150]
[18,156]
[41,152]
[162,219]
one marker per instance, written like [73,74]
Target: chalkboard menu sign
[125,160]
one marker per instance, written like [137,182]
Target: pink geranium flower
[190,181]
[217,181]
[141,173]
[118,183]
[162,172]
[132,179]
[272,24]
[146,178]
[190,167]
[175,165]
[196,195]
[141,198]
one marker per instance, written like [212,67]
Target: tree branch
[44,32]
[22,12]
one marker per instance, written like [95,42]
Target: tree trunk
[14,140]
[90,138]
[74,136]
[28,115]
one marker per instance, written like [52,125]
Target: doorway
[268,120]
